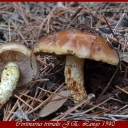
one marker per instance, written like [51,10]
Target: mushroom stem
[9,79]
[74,77]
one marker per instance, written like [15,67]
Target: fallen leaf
[54,104]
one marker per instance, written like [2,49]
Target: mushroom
[77,46]
[15,68]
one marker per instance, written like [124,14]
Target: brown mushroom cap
[80,44]
[20,55]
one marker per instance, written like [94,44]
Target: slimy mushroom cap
[79,44]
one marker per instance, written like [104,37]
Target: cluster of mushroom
[75,44]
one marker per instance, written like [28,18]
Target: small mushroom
[15,68]
[77,46]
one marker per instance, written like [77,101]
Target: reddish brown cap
[80,44]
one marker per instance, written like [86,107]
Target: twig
[23,101]
[107,84]
[110,27]
[44,102]
[113,115]
[84,101]
[122,89]
[18,31]
[96,106]
[32,98]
